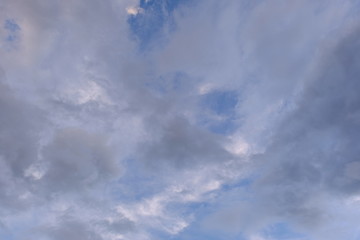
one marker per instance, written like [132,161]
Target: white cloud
[134,10]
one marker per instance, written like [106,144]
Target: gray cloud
[77,159]
[19,120]
[71,229]
[310,169]
[20,128]
[121,225]
[80,105]
[315,144]
[182,145]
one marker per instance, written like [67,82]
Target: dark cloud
[314,154]
[308,174]
[20,128]
[71,229]
[18,121]
[182,145]
[121,225]
[77,159]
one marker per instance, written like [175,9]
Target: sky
[179,120]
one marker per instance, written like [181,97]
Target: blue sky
[179,119]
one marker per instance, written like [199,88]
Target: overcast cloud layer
[179,119]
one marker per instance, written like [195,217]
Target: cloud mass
[179,119]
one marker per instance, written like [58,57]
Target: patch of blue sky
[196,231]
[245,183]
[159,234]
[201,211]
[148,25]
[6,235]
[221,102]
[282,231]
[169,5]
[224,127]
[278,231]
[18,229]
[135,184]
[11,25]
[12,29]
[169,83]
[221,106]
